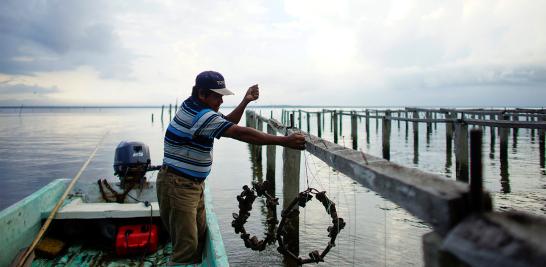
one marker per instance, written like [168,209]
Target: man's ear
[201,95]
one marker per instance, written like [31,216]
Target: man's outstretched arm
[255,137]
[253,93]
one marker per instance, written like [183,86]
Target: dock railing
[466,231]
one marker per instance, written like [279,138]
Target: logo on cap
[213,81]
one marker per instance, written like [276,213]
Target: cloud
[18,94]
[23,89]
[300,52]
[45,36]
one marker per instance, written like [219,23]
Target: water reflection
[514,140]
[492,143]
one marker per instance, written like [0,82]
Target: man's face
[213,100]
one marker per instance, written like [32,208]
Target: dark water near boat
[41,144]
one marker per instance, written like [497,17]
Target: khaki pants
[182,210]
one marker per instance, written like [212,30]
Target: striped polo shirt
[190,137]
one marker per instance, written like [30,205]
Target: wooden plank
[438,201]
[499,239]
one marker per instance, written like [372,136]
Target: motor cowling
[131,161]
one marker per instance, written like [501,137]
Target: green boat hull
[20,223]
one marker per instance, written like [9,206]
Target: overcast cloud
[299,52]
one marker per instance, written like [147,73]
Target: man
[188,159]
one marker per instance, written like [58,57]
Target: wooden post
[541,145]
[259,127]
[152,118]
[323,119]
[461,151]
[270,165]
[492,134]
[449,140]
[476,170]
[415,138]
[354,126]
[308,122]
[291,188]
[334,114]
[170,112]
[503,155]
[429,127]
[367,126]
[162,107]
[386,131]
[340,122]
[291,120]
[299,119]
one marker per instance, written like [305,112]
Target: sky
[299,52]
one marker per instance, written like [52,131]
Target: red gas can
[136,239]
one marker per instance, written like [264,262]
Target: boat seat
[77,209]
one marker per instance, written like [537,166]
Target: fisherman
[188,160]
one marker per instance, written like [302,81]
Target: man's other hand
[295,141]
[253,93]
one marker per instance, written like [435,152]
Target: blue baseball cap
[213,81]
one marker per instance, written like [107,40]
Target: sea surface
[38,145]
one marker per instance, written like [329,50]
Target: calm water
[39,145]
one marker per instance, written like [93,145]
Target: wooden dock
[466,230]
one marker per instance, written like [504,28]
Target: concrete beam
[499,239]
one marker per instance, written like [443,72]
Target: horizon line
[268,106]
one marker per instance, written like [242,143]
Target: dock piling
[476,170]
[354,127]
[461,151]
[386,132]
[415,138]
[319,125]
[291,189]
[271,158]
[334,114]
[367,126]
[503,155]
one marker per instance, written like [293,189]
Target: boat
[90,229]
[20,223]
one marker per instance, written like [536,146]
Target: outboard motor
[131,162]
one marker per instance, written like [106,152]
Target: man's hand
[295,141]
[253,93]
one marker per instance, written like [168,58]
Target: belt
[172,170]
